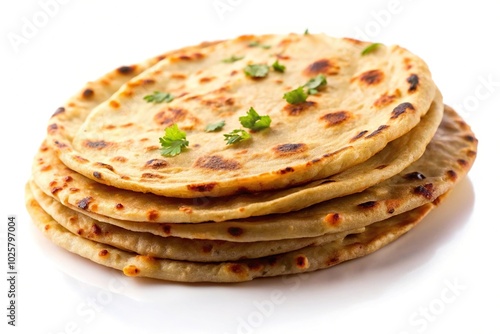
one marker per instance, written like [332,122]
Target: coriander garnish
[370,48]
[254,44]
[296,96]
[278,67]
[256,70]
[232,59]
[236,136]
[315,83]
[254,121]
[300,95]
[173,141]
[215,126]
[159,97]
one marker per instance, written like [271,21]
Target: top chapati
[369,101]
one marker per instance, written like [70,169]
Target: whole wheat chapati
[304,260]
[447,159]
[71,188]
[368,101]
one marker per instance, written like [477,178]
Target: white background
[404,288]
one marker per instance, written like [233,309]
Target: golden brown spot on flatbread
[119,206]
[367,205]
[332,261]
[321,66]
[353,41]
[46,227]
[46,168]
[413,81]
[152,176]
[286,170]
[218,102]
[119,159]
[452,175]
[152,215]
[206,79]
[58,111]
[114,104]
[55,190]
[376,132]
[186,209]
[60,145]
[216,162]
[302,262]
[297,109]
[471,153]
[170,116]
[52,128]
[126,69]
[166,229]
[384,100]
[97,175]
[178,76]
[207,248]
[426,190]
[79,159]
[103,253]
[462,162]
[98,144]
[103,165]
[284,150]
[414,176]
[156,164]
[235,231]
[88,93]
[336,118]
[372,77]
[202,187]
[84,202]
[237,269]
[359,135]
[95,229]
[333,219]
[188,57]
[391,205]
[131,270]
[407,63]
[402,108]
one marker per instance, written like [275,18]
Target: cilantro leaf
[306,32]
[370,48]
[159,97]
[256,70]
[278,67]
[236,136]
[254,44]
[296,96]
[254,121]
[215,126]
[315,84]
[232,59]
[173,141]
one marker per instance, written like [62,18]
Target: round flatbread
[447,159]
[171,247]
[304,260]
[70,188]
[367,102]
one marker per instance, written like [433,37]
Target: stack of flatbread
[253,157]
